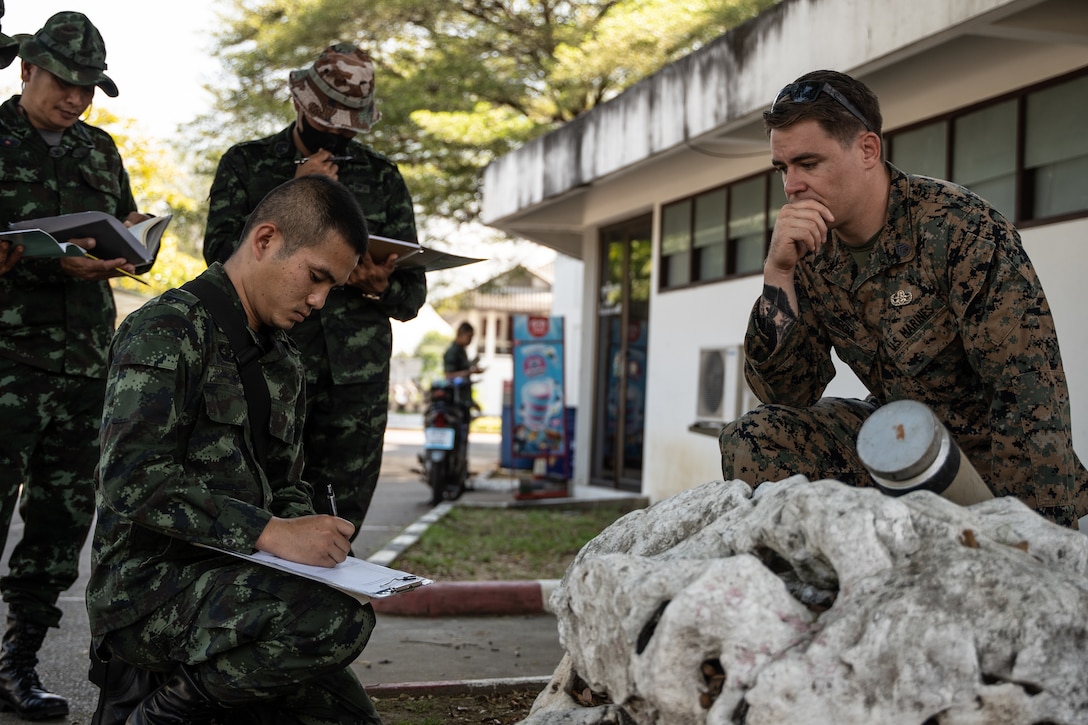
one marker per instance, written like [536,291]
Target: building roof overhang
[711,101]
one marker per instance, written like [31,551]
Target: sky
[157,52]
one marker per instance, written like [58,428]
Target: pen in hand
[332,499]
[333,159]
[130,275]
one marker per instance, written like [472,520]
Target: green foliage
[462,82]
[160,186]
[432,346]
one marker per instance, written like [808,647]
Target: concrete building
[666,195]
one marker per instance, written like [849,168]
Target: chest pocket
[104,182]
[918,331]
[280,421]
[224,400]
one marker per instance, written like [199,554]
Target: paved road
[402,649]
[402,497]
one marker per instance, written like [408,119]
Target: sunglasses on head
[808,92]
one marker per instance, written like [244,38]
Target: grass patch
[496,544]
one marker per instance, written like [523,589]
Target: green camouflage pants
[262,641]
[774,442]
[342,441]
[49,446]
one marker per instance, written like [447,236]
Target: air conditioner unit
[722,394]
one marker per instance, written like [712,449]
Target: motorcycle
[444,460]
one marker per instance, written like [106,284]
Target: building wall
[695,125]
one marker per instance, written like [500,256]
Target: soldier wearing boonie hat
[72,49]
[9,47]
[337,91]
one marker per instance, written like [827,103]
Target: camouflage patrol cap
[72,49]
[9,47]
[338,89]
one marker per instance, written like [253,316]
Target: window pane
[746,212]
[1060,188]
[676,227]
[922,150]
[676,243]
[1055,125]
[984,155]
[710,218]
[749,253]
[677,269]
[710,235]
[1056,149]
[748,224]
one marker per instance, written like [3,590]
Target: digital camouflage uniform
[948,311]
[54,330]
[347,344]
[177,470]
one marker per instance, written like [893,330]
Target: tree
[432,346]
[460,82]
[160,186]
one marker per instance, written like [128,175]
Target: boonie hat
[9,47]
[72,49]
[338,89]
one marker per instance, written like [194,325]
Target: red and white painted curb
[451,599]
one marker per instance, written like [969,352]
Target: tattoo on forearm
[776,315]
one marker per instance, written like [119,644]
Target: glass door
[623,314]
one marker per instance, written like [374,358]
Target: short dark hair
[466,328]
[307,209]
[835,118]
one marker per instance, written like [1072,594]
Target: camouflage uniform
[947,311]
[54,330]
[347,344]
[177,470]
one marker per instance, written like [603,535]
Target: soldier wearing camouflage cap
[922,288]
[58,316]
[346,348]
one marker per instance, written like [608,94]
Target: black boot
[121,686]
[20,688]
[178,701]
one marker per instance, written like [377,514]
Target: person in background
[346,348]
[921,287]
[58,316]
[186,462]
[455,362]
[459,369]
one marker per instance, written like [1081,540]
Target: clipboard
[360,578]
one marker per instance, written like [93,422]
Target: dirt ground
[505,708]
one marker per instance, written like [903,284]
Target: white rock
[826,604]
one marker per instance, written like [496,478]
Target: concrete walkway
[453,646]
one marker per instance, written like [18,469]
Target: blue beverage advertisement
[539,423]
